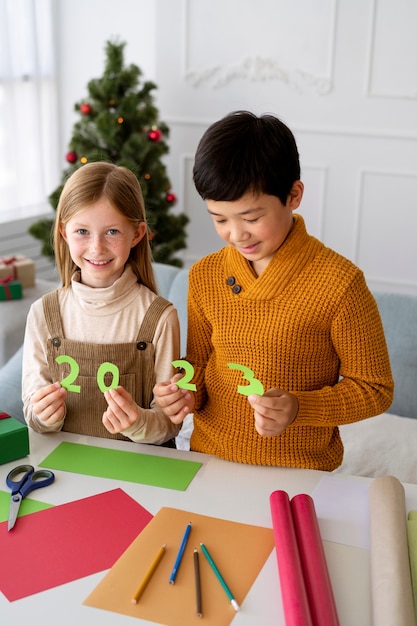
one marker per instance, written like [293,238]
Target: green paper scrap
[27,506]
[132,467]
[412,553]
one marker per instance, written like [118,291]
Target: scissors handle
[17,476]
[29,481]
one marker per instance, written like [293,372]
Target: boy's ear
[296,195]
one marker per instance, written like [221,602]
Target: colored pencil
[219,577]
[180,553]
[199,610]
[149,574]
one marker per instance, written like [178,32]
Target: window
[28,108]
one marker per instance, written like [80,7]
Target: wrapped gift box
[10,289]
[19,268]
[14,439]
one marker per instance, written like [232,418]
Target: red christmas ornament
[154,134]
[71,157]
[171,197]
[86,108]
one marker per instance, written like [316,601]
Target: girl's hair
[244,153]
[121,188]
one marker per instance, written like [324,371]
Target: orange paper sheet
[239,551]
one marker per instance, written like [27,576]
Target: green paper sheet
[27,506]
[132,467]
[412,553]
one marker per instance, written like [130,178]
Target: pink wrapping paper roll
[313,561]
[293,590]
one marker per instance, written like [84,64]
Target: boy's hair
[244,153]
[121,188]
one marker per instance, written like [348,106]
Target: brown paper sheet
[392,598]
[239,551]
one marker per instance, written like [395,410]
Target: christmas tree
[119,123]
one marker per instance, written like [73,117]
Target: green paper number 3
[105,368]
[255,386]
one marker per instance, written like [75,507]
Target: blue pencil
[180,553]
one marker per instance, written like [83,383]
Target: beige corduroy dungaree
[134,360]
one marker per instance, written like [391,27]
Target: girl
[106,325]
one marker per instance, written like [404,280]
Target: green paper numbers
[104,368]
[255,386]
[184,383]
[74,370]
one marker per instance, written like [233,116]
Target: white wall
[82,29]
[340,73]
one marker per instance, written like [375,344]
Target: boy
[277,301]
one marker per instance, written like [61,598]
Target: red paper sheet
[316,575]
[55,546]
[293,590]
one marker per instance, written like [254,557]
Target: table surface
[222,489]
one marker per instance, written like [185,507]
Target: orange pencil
[149,574]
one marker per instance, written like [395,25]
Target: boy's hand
[48,403]
[176,403]
[122,410]
[274,411]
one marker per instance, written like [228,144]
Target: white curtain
[28,107]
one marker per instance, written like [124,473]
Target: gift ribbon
[4,416]
[11,261]
[4,281]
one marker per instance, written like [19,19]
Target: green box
[11,290]
[14,439]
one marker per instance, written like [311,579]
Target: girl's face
[256,225]
[100,238]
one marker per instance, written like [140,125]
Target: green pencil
[219,576]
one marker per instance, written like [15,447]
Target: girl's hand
[176,403]
[48,403]
[274,411]
[122,410]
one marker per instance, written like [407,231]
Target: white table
[220,488]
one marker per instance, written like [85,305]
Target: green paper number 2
[184,383]
[255,386]
[104,369]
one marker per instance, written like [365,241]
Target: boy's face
[256,225]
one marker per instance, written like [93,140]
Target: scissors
[26,481]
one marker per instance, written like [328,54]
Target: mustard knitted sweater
[307,324]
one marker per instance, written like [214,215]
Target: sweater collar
[118,295]
[297,251]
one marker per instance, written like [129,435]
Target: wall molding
[377,133]
[265,67]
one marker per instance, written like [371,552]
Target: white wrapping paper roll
[392,597]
